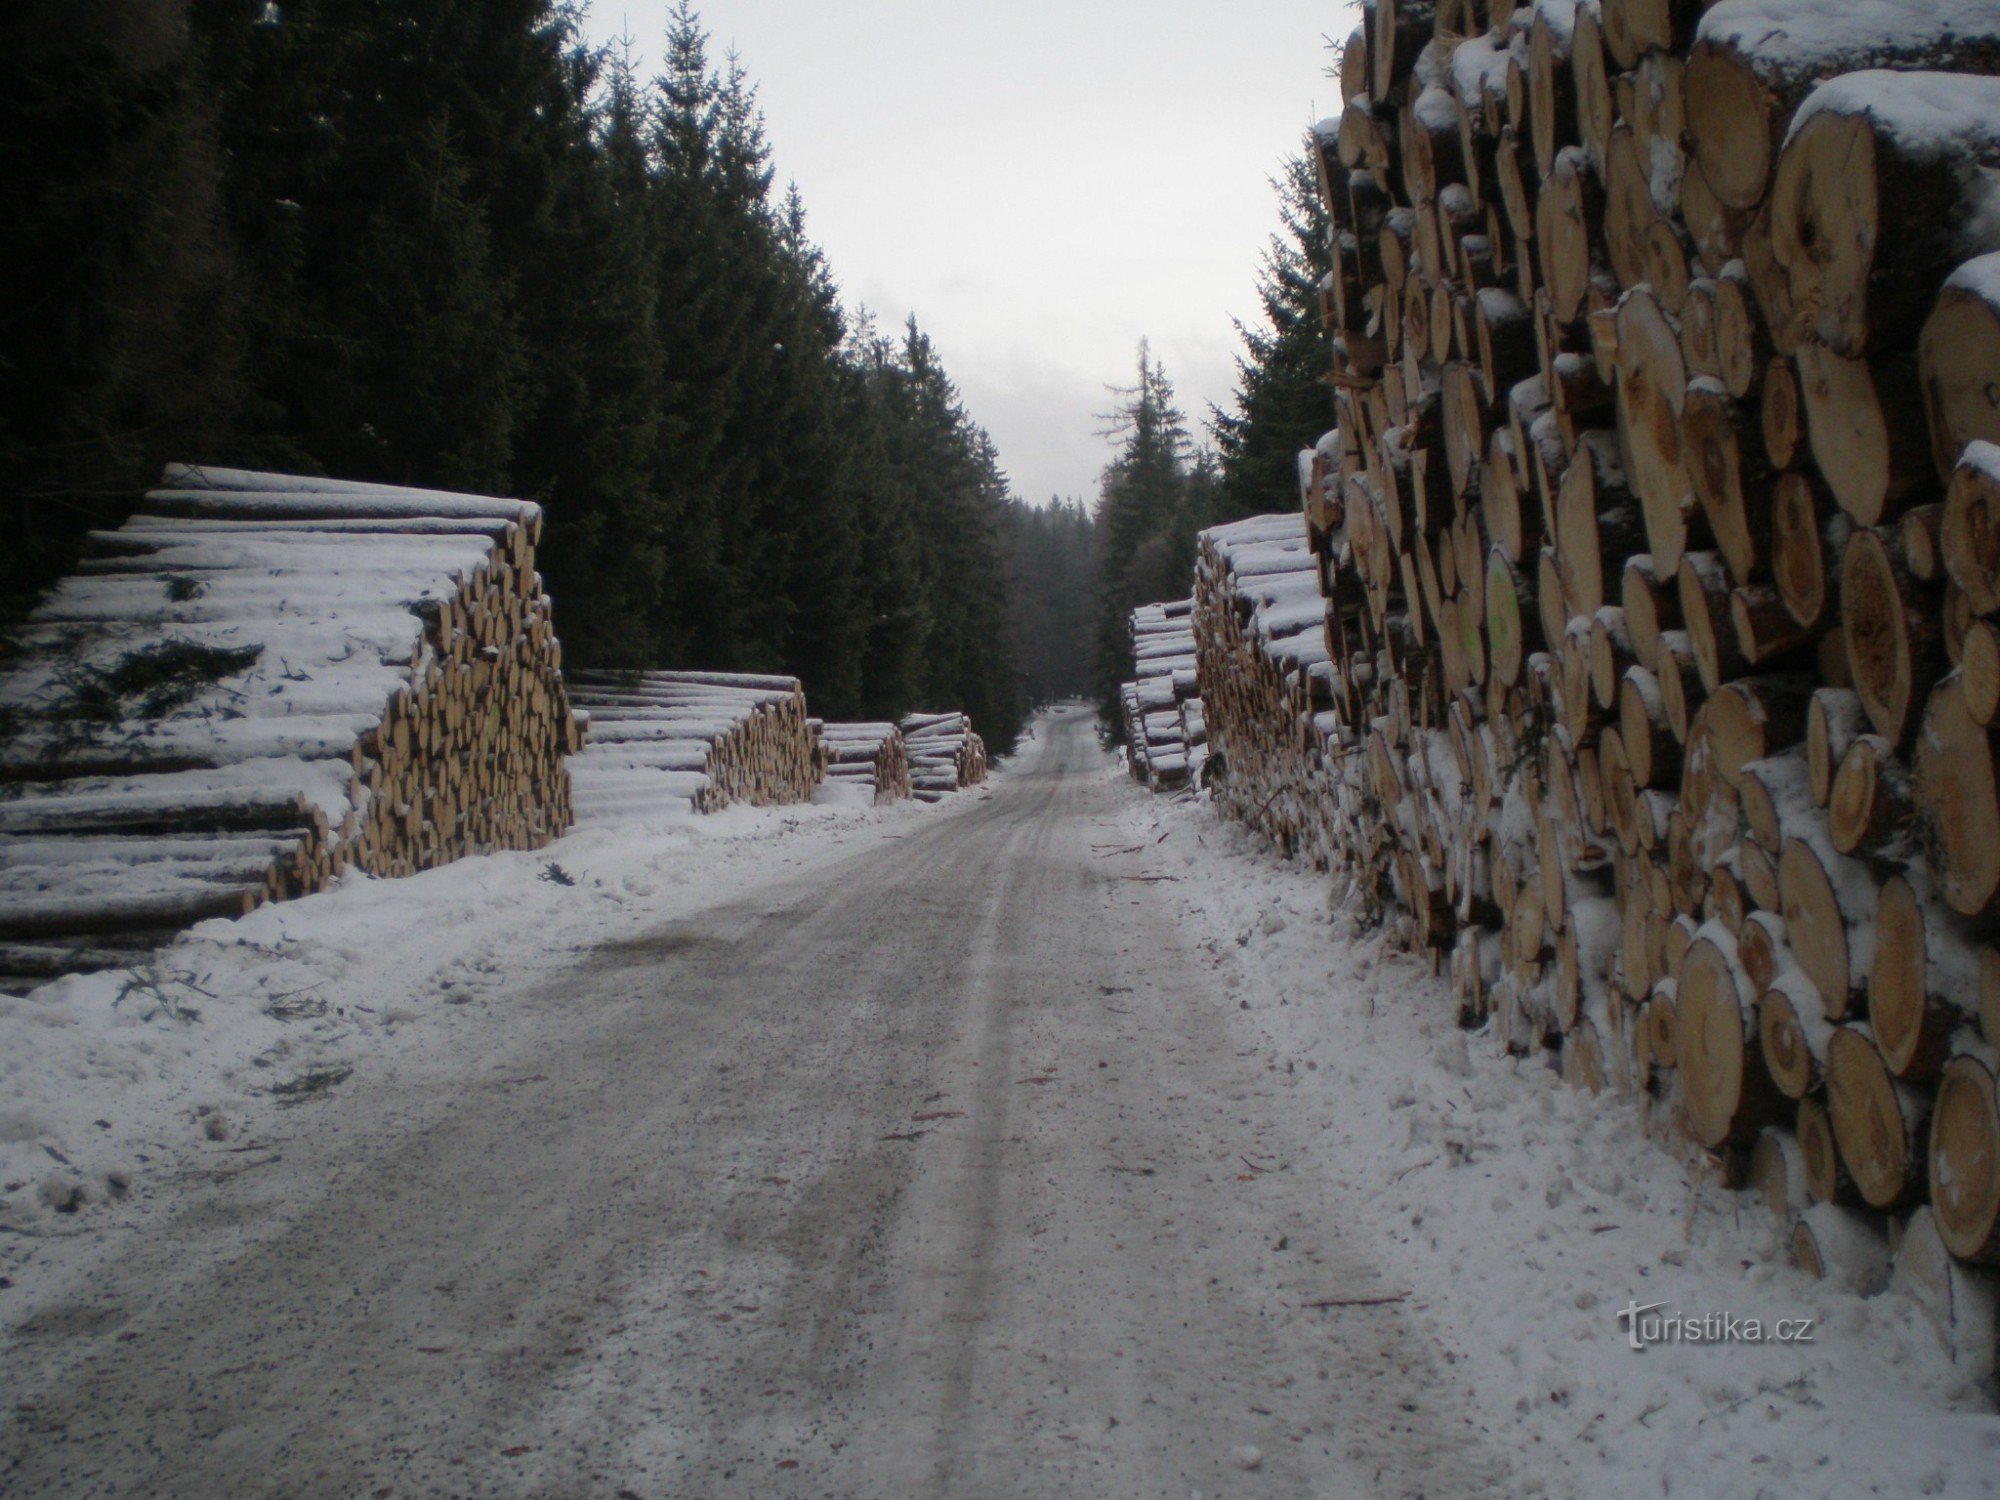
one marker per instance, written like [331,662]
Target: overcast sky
[1042,182]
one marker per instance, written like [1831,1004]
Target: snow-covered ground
[1528,1214]
[1519,1216]
[112,1084]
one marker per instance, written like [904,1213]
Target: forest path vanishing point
[941,1172]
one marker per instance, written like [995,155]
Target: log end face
[1728,123]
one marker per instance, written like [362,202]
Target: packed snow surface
[1501,1218]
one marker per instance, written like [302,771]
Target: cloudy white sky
[1042,182]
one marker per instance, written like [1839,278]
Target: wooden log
[1765,630]
[1979,670]
[1959,1300]
[1771,793]
[1569,217]
[1878,1122]
[1777,1173]
[1925,977]
[1634,28]
[1866,426]
[1828,902]
[1715,228]
[1755,719]
[28,918]
[1958,816]
[1728,476]
[1397,31]
[1512,618]
[1833,719]
[1591,83]
[1806,544]
[1704,597]
[1827,1177]
[1747,74]
[1652,388]
[1651,604]
[1843,1246]
[1964,1165]
[1793,1032]
[1651,749]
[1958,357]
[1969,533]
[1551,91]
[162,811]
[1870,811]
[1919,536]
[1428,132]
[1894,645]
[1639,241]
[1897,157]
[1597,525]
[1781,412]
[1729,1096]
[1679,678]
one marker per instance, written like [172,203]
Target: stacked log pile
[1165,731]
[673,741]
[870,755]
[945,754]
[1659,542]
[1261,660]
[258,682]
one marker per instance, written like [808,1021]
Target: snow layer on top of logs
[945,754]
[1261,659]
[1166,742]
[1657,540]
[257,682]
[871,755]
[670,741]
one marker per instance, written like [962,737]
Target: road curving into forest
[939,1172]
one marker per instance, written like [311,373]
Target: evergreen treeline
[442,242]
[1161,489]
[1051,564]
[1155,495]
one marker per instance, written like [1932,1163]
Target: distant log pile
[945,754]
[258,682]
[870,755]
[670,741]
[1165,731]
[1260,650]
[1656,547]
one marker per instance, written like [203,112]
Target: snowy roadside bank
[115,1085]
[1528,1214]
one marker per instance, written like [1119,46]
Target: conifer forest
[454,245]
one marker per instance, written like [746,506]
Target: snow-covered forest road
[935,1172]
[1056,1140]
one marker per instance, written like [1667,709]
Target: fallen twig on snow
[1360,1301]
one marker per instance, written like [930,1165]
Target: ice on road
[934,1171]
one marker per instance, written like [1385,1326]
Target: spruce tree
[890,586]
[1281,402]
[1051,561]
[1147,517]
[119,307]
[445,243]
[589,448]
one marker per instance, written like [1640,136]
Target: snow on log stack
[1158,725]
[1657,539]
[870,755]
[259,681]
[668,741]
[945,754]
[1261,658]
